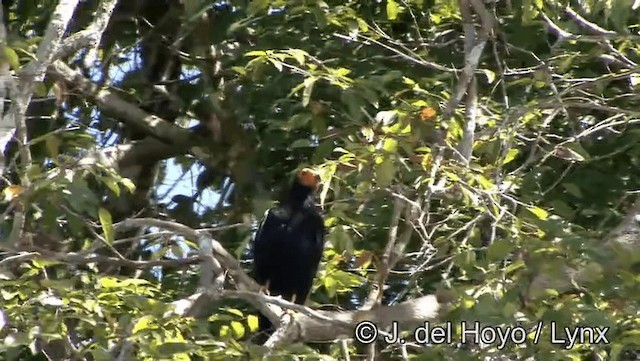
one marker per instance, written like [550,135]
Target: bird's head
[308,178]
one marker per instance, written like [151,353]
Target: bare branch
[78,259]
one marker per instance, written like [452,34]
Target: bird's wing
[318,247]
[261,247]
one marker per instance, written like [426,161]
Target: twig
[76,258]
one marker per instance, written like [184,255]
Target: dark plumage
[288,245]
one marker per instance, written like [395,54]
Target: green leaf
[53,145]
[308,89]
[252,322]
[301,143]
[340,239]
[109,282]
[298,54]
[499,249]
[178,350]
[112,185]
[276,63]
[143,323]
[385,172]
[390,145]
[393,9]
[127,183]
[511,155]
[330,285]
[238,329]
[573,189]
[491,76]
[10,56]
[539,212]
[107,224]
[258,6]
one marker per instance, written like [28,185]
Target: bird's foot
[264,290]
[293,298]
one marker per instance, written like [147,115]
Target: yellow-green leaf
[484,182]
[112,185]
[107,224]
[238,329]
[539,212]
[235,311]
[308,89]
[252,322]
[127,183]
[143,323]
[393,9]
[224,331]
[256,53]
[390,145]
[108,282]
[491,76]
[385,172]
[511,155]
[10,56]
[298,54]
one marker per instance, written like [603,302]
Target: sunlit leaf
[107,224]
[390,145]
[539,212]
[238,329]
[143,323]
[308,89]
[252,322]
[511,155]
[393,9]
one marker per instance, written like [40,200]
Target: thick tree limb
[112,103]
[135,153]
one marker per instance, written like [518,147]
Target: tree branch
[27,77]
[113,104]
[91,35]
[304,324]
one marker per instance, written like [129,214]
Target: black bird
[288,245]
